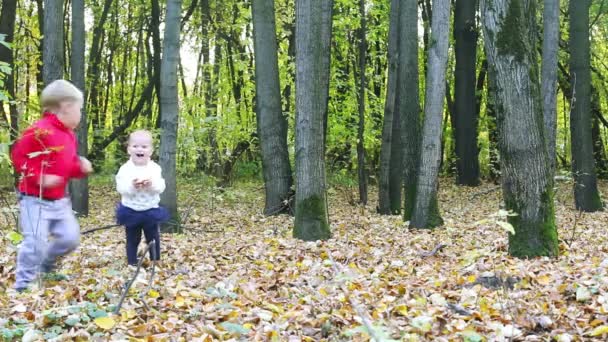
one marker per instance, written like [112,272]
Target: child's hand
[146,183]
[85,165]
[141,183]
[51,181]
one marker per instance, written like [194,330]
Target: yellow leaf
[179,301]
[401,309]
[153,294]
[543,279]
[601,330]
[274,308]
[471,278]
[506,226]
[105,323]
[323,291]
[248,325]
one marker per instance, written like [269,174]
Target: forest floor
[237,275]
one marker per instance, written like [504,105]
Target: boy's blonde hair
[60,91]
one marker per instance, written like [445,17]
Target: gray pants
[40,220]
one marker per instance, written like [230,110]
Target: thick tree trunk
[384,179]
[361,169]
[53,41]
[271,124]
[509,26]
[549,77]
[79,189]
[465,115]
[169,109]
[425,213]
[313,46]
[586,195]
[409,106]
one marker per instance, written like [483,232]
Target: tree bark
[361,169]
[79,188]
[409,106]
[271,124]
[53,41]
[384,179]
[313,46]
[509,27]
[549,77]
[465,115]
[425,214]
[169,110]
[586,195]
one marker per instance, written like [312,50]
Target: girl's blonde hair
[60,91]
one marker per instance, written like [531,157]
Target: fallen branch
[128,287]
[435,250]
[485,192]
[100,228]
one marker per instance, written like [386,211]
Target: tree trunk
[313,46]
[361,169]
[549,77]
[492,129]
[509,28]
[409,106]
[53,41]
[425,214]
[79,188]
[271,124]
[156,46]
[465,115]
[586,195]
[384,179]
[7,27]
[169,110]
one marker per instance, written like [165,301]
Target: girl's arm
[124,183]
[157,182]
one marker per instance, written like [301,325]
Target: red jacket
[46,147]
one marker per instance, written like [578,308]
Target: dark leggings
[151,232]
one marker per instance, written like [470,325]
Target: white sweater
[140,199]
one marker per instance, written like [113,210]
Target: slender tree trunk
[169,109]
[39,71]
[361,170]
[53,41]
[409,106]
[7,27]
[465,115]
[492,129]
[510,29]
[313,46]
[272,125]
[425,215]
[599,153]
[156,46]
[586,195]
[79,189]
[549,77]
[384,186]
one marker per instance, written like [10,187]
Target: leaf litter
[236,275]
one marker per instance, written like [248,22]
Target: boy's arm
[30,157]
[157,183]
[124,183]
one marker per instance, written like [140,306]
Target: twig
[126,291]
[576,218]
[435,250]
[353,302]
[100,228]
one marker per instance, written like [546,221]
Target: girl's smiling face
[140,147]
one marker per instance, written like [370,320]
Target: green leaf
[506,226]
[72,320]
[14,237]
[234,328]
[471,336]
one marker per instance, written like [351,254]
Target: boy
[45,157]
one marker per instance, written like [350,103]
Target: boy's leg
[133,237]
[152,232]
[33,249]
[65,231]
